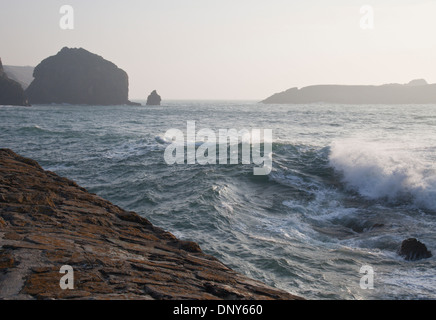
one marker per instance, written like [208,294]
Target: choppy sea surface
[349,183]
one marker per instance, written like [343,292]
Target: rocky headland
[47,221]
[11,92]
[415,92]
[77,76]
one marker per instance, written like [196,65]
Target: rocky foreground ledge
[47,221]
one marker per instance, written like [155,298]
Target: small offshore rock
[412,250]
[154,99]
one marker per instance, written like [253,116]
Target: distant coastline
[415,92]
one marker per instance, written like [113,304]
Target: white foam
[386,170]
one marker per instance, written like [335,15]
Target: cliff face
[47,222]
[77,76]
[23,75]
[11,92]
[415,92]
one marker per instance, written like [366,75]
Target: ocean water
[348,184]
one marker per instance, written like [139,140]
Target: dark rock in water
[412,250]
[11,92]
[77,76]
[154,99]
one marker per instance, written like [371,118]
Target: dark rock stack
[412,250]
[154,99]
[77,76]
[11,92]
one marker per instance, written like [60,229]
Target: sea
[348,184]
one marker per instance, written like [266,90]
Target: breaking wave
[379,170]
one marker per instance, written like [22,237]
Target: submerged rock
[11,92]
[77,76]
[412,250]
[47,222]
[154,99]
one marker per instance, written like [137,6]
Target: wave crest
[385,170]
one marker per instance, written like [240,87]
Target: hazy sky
[231,49]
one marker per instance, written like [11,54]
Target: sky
[231,49]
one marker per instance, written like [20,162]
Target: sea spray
[379,170]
